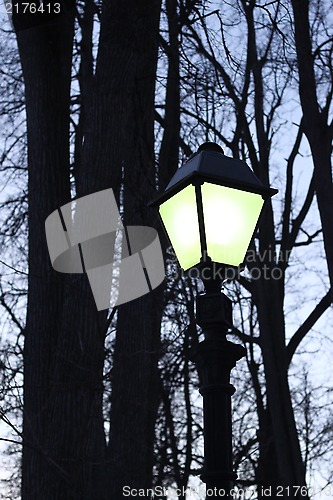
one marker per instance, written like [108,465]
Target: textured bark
[45,53]
[284,448]
[169,152]
[64,444]
[280,462]
[63,354]
[131,30]
[266,476]
[318,132]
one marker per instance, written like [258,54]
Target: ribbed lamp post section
[215,357]
[210,211]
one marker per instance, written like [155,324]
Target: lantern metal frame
[210,165]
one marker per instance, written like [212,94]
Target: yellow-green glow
[230,218]
[179,215]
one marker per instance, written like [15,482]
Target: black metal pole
[215,357]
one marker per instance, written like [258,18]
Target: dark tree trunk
[316,128]
[130,31]
[285,449]
[266,471]
[169,151]
[45,52]
[64,444]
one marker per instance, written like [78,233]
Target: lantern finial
[210,146]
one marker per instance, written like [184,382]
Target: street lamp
[210,210]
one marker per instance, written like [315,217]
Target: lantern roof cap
[210,163]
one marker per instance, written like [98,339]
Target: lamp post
[210,210]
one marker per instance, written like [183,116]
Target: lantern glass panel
[180,218]
[230,217]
